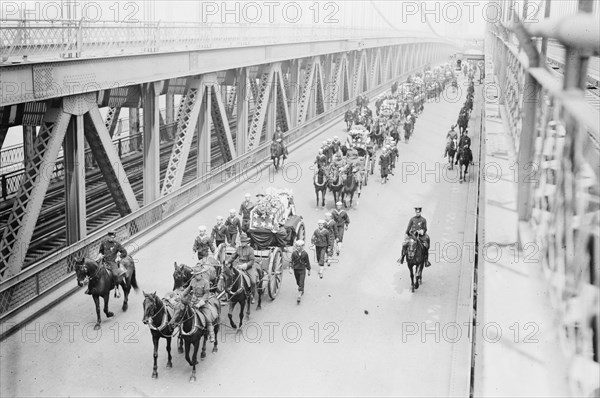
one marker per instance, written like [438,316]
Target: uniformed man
[321,160]
[202,243]
[332,228]
[339,161]
[384,163]
[336,144]
[464,140]
[245,209]
[417,226]
[392,158]
[300,264]
[233,227]
[108,253]
[245,256]
[279,139]
[322,242]
[199,289]
[451,136]
[219,232]
[342,220]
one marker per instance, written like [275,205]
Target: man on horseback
[417,227]
[200,289]
[342,220]
[450,137]
[321,160]
[465,140]
[108,254]
[245,209]
[245,254]
[278,139]
[202,243]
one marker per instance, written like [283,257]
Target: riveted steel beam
[262,103]
[112,119]
[30,197]
[303,102]
[74,163]
[319,89]
[187,117]
[151,137]
[221,124]
[242,110]
[3,132]
[109,162]
[283,113]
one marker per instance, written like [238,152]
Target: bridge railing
[31,39]
[556,137]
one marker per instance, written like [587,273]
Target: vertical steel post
[242,111]
[170,110]
[74,164]
[29,133]
[151,143]
[204,134]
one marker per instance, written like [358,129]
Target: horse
[182,274]
[237,288]
[407,131]
[335,183]
[465,156]
[277,153]
[415,257]
[192,326]
[451,151]
[349,185]
[157,315]
[349,119]
[101,282]
[320,181]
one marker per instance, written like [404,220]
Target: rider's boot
[427,263]
[252,292]
[211,331]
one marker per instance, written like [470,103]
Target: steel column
[170,108]
[293,93]
[29,133]
[262,103]
[151,174]
[242,110]
[271,116]
[134,124]
[204,150]
[74,163]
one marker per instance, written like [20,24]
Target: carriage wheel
[300,232]
[275,272]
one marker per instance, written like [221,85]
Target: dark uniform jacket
[415,224]
[199,287]
[202,244]
[233,224]
[321,238]
[340,217]
[300,260]
[332,227]
[110,250]
[245,209]
[218,232]
[384,160]
[464,140]
[245,254]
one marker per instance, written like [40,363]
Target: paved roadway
[354,323]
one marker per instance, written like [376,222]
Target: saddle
[209,311]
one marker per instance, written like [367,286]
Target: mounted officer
[321,160]
[450,137]
[417,226]
[245,254]
[108,254]
[200,289]
[278,138]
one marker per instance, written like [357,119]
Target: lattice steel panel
[262,103]
[303,101]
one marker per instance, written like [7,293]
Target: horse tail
[134,283]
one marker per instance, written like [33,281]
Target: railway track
[49,234]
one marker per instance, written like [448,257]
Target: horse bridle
[164,321]
[85,271]
[231,294]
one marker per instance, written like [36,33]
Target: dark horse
[465,156]
[451,151]
[320,182]
[237,287]
[349,119]
[158,315]
[349,185]
[192,326]
[335,183]
[277,153]
[101,282]
[182,274]
[414,251]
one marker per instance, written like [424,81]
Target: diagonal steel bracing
[375,75]
[187,118]
[358,73]
[30,197]
[108,160]
[338,80]
[283,113]
[112,119]
[221,124]
[303,101]
[3,132]
[262,103]
[320,89]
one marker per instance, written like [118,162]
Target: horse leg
[323,192]
[106,311]
[248,304]
[215,348]
[194,360]
[126,289]
[259,292]
[180,344]
[242,305]
[230,315]
[203,352]
[412,277]
[169,363]
[97,303]
[187,352]
[155,339]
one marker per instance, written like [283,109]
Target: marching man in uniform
[233,227]
[342,220]
[245,209]
[322,242]
[202,243]
[331,226]
[219,232]
[301,265]
[418,226]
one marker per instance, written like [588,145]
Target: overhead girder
[261,106]
[221,124]
[108,160]
[30,196]
[187,117]
[27,114]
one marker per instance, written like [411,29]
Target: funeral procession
[295,199]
